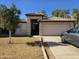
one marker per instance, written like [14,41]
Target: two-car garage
[54,27]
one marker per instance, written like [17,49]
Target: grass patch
[21,48]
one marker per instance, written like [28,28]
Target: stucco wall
[54,28]
[22,29]
[28,27]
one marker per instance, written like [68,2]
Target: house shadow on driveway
[46,44]
[51,44]
[38,43]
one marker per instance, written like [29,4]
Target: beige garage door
[50,28]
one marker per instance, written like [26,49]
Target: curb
[53,53]
[43,49]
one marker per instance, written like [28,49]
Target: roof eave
[34,14]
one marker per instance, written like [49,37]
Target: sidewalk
[60,50]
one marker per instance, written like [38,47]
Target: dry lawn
[21,48]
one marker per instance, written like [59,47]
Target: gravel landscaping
[21,48]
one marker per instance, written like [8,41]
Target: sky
[31,6]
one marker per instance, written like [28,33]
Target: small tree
[43,12]
[60,13]
[55,13]
[63,13]
[75,14]
[10,19]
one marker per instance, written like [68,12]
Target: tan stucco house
[38,24]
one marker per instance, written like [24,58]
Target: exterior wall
[22,30]
[54,28]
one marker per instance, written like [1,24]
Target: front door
[34,27]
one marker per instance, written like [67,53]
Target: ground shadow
[36,43]
[46,44]
[54,44]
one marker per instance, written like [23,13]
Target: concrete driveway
[61,50]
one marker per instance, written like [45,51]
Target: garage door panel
[54,29]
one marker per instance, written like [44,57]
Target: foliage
[60,13]
[9,18]
[2,7]
[55,13]
[75,14]
[43,12]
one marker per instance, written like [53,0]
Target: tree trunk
[10,36]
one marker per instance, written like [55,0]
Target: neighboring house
[37,24]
